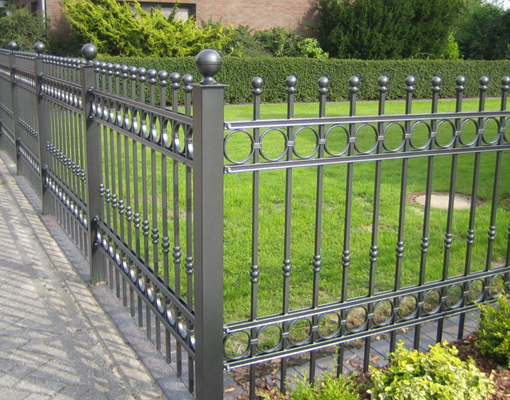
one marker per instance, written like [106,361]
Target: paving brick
[53,333]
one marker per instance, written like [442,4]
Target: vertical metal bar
[189,265]
[165,240]
[44,129]
[187,88]
[15,107]
[287,265]
[505,87]
[436,82]
[257,84]
[495,190]
[317,258]
[176,254]
[410,82]
[152,74]
[133,76]
[448,240]
[470,238]
[346,253]
[142,72]
[208,117]
[374,248]
[93,168]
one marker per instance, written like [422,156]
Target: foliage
[121,28]
[242,43]
[275,42]
[482,31]
[438,374]
[329,387]
[311,48]
[279,42]
[238,73]
[385,29]
[23,27]
[494,330]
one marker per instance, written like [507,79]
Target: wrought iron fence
[141,183]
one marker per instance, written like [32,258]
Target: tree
[23,27]
[482,31]
[386,29]
[124,28]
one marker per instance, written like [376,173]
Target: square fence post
[15,106]
[43,129]
[208,118]
[93,168]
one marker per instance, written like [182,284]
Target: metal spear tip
[208,64]
[13,45]
[89,52]
[39,47]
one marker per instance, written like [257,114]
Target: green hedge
[238,73]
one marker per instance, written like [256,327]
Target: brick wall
[258,14]
[55,17]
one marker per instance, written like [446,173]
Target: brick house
[258,14]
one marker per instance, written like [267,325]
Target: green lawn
[238,194]
[238,214]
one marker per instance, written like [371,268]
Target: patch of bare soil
[467,349]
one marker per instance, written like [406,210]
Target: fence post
[208,118]
[93,167]
[15,110]
[43,128]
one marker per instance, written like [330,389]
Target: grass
[271,249]
[271,235]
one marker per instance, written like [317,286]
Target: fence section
[144,229]
[313,219]
[7,139]
[368,262]
[112,159]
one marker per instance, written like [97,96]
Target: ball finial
[39,47]
[208,63]
[89,52]
[13,45]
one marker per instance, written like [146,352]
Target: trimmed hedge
[238,73]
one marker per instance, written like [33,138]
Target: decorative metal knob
[89,52]
[208,63]
[383,83]
[354,84]
[13,45]
[39,47]
[257,83]
[323,85]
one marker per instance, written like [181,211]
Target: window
[184,11]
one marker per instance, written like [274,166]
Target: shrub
[124,28]
[494,330]
[237,72]
[385,29]
[438,374]
[23,27]
[329,387]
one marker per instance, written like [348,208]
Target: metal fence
[174,207]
